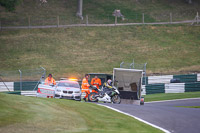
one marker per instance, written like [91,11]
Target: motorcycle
[111,96]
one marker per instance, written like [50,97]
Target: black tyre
[116,99]
[92,97]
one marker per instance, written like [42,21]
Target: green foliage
[9,4]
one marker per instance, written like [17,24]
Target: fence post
[197,17]
[86,20]
[20,80]
[170,17]
[115,20]
[57,21]
[143,18]
[0,25]
[145,66]
[29,21]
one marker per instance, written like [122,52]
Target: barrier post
[0,25]
[20,80]
[29,21]
[58,21]
[170,17]
[115,20]
[143,18]
[86,20]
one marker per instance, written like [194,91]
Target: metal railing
[101,20]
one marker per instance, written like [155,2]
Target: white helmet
[109,82]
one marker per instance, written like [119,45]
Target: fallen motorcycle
[104,95]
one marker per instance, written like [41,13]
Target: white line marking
[162,129]
[172,100]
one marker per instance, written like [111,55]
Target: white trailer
[129,83]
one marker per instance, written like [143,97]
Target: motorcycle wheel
[92,98]
[116,99]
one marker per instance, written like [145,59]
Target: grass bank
[99,11]
[171,96]
[80,50]
[27,114]
[189,106]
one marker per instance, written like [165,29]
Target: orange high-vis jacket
[96,82]
[85,85]
[49,81]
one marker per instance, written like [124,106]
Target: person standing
[85,86]
[96,82]
[49,80]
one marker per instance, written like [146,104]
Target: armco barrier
[159,79]
[155,88]
[175,88]
[186,78]
[6,86]
[143,92]
[170,88]
[189,87]
[26,85]
[198,77]
[13,92]
[29,93]
[144,80]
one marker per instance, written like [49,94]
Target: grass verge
[171,96]
[80,50]
[28,114]
[189,106]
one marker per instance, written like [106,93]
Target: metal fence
[134,65]
[60,20]
[21,80]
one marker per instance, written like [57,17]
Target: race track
[166,115]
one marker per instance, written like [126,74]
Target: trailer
[129,83]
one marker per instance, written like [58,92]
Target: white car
[67,89]
[45,91]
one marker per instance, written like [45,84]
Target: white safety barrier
[175,88]
[29,93]
[3,87]
[159,79]
[143,90]
[198,77]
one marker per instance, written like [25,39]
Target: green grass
[171,96]
[99,11]
[28,114]
[189,106]
[76,51]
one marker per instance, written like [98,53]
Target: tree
[9,4]
[80,9]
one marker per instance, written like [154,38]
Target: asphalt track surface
[166,115]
